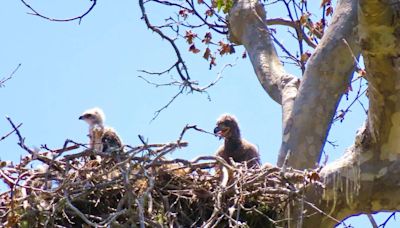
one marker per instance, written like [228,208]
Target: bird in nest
[102,138]
[235,147]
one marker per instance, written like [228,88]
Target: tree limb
[380,42]
[326,78]
[248,26]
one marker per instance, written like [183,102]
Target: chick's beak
[81,117]
[217,130]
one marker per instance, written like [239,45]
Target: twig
[295,25]
[194,127]
[78,212]
[185,85]
[141,213]
[383,225]
[79,18]
[351,52]
[324,213]
[157,113]
[372,220]
[3,80]
[8,134]
[21,143]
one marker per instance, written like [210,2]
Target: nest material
[140,187]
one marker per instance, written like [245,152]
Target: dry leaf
[189,36]
[193,49]
[207,38]
[207,53]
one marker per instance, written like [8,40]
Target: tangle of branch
[138,186]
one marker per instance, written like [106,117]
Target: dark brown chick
[234,146]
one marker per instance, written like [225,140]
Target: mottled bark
[366,178]
[326,78]
[248,27]
[359,182]
[306,121]
[379,31]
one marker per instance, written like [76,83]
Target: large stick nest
[138,186]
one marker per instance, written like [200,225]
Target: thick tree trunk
[366,178]
[327,76]
[248,27]
[307,111]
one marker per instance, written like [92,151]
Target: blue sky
[68,68]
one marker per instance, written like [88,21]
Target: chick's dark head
[227,127]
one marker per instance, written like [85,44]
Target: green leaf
[220,3]
[228,6]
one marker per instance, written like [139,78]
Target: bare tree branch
[3,80]
[327,76]
[79,18]
[158,186]
[184,86]
[392,215]
[247,21]
[9,133]
[372,220]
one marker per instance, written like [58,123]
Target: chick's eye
[224,127]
